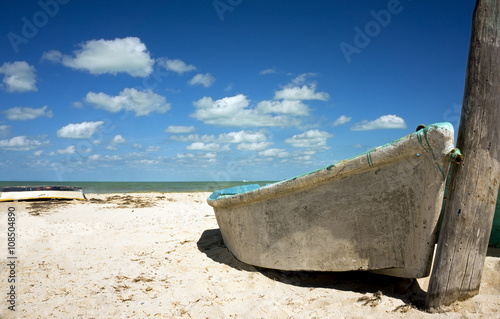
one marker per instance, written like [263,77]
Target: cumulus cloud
[111,158]
[235,111]
[94,157]
[253,146]
[212,147]
[203,79]
[153,149]
[302,78]
[242,137]
[140,102]
[342,120]
[305,92]
[27,113]
[293,108]
[118,139]
[267,71]
[19,76]
[193,138]
[69,150]
[4,130]
[311,138]
[21,143]
[176,65]
[79,130]
[383,122]
[127,55]
[77,104]
[274,152]
[199,157]
[178,129]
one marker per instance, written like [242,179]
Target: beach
[161,255]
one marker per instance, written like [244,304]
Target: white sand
[161,255]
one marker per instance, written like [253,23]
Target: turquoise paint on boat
[233,191]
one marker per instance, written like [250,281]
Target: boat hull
[377,211]
[40,192]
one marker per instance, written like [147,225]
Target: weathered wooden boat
[376,211]
[13,193]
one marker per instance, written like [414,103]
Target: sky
[219,90]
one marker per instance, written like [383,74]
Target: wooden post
[472,194]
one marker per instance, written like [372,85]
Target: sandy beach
[161,255]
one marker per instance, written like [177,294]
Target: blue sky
[219,90]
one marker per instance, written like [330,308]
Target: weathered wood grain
[473,190]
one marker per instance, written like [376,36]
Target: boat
[17,193]
[376,211]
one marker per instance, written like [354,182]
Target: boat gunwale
[372,159]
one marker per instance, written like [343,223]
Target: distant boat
[13,193]
[376,211]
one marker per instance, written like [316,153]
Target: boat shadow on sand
[407,290]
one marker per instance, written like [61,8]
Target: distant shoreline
[139,187]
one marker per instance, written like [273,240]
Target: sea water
[138,187]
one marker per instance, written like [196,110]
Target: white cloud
[137,145]
[383,122]
[19,76]
[253,146]
[4,130]
[199,157]
[38,153]
[267,71]
[193,138]
[77,104]
[27,113]
[118,139]
[294,108]
[242,137]
[69,150]
[342,120]
[212,147]
[127,55]
[94,157]
[302,78]
[153,149]
[141,102]
[79,130]
[147,162]
[111,158]
[176,65]
[188,155]
[178,129]
[234,111]
[304,92]
[111,148]
[203,79]
[311,138]
[21,143]
[304,158]
[274,152]
[52,56]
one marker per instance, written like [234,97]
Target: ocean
[139,187]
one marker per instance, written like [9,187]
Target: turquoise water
[139,187]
